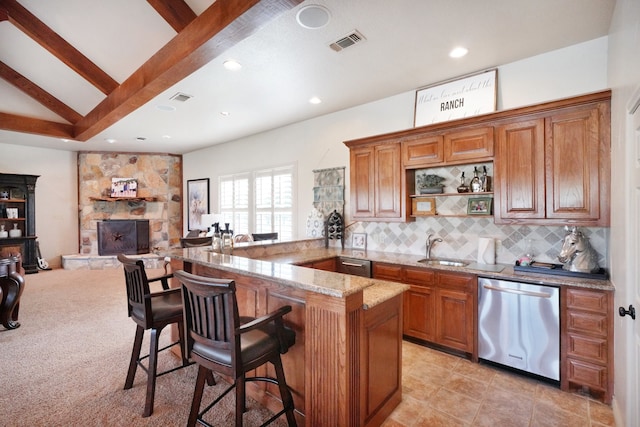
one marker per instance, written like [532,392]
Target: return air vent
[349,40]
[182,97]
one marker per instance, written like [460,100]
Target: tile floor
[441,390]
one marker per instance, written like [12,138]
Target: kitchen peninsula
[345,368]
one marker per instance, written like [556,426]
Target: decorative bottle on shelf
[476,185]
[15,231]
[486,180]
[3,233]
[463,188]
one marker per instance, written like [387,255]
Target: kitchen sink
[445,262]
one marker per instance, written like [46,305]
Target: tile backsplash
[460,238]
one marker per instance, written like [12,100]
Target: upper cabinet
[552,163]
[453,147]
[555,169]
[376,182]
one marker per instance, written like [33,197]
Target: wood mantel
[345,369]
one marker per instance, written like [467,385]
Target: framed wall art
[458,98]
[198,203]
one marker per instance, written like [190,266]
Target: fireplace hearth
[123,236]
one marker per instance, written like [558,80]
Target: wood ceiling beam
[176,12]
[36,92]
[218,28]
[30,125]
[56,45]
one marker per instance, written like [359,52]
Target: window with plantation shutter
[259,202]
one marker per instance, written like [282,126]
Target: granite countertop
[497,271]
[283,268]
[288,274]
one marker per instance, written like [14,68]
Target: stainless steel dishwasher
[519,326]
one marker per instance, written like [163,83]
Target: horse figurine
[577,254]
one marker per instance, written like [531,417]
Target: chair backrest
[265,236]
[139,304]
[190,242]
[242,238]
[211,317]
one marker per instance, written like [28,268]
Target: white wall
[56,195]
[318,143]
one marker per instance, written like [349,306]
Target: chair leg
[152,371]
[203,374]
[183,344]
[135,356]
[240,402]
[285,393]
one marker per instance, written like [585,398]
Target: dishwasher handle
[517,291]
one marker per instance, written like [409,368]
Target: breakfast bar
[345,368]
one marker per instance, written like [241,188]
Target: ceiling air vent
[349,40]
[182,97]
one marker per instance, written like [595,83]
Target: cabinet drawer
[587,374]
[584,299]
[463,282]
[387,272]
[423,150]
[588,323]
[417,276]
[468,144]
[354,266]
[590,348]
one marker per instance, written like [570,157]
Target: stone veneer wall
[157,175]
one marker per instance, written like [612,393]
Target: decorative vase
[15,231]
[3,232]
[4,195]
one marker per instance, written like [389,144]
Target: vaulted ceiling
[102,75]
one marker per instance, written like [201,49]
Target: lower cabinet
[440,307]
[587,344]
[329,264]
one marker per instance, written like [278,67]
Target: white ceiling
[407,45]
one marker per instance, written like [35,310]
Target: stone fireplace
[158,203]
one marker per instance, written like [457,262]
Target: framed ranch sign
[455,99]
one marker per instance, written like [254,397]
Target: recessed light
[225,113]
[141,138]
[166,107]
[458,52]
[232,65]
[166,136]
[313,16]
[315,100]
[110,140]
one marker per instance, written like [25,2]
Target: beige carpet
[67,362]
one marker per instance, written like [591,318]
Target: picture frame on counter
[359,241]
[480,206]
[423,206]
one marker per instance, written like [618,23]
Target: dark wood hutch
[18,211]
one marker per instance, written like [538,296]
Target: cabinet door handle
[518,291]
[351,264]
[631,312]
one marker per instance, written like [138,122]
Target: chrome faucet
[430,243]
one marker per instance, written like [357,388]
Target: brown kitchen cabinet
[554,168]
[440,306]
[473,144]
[376,190]
[587,342]
[329,264]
